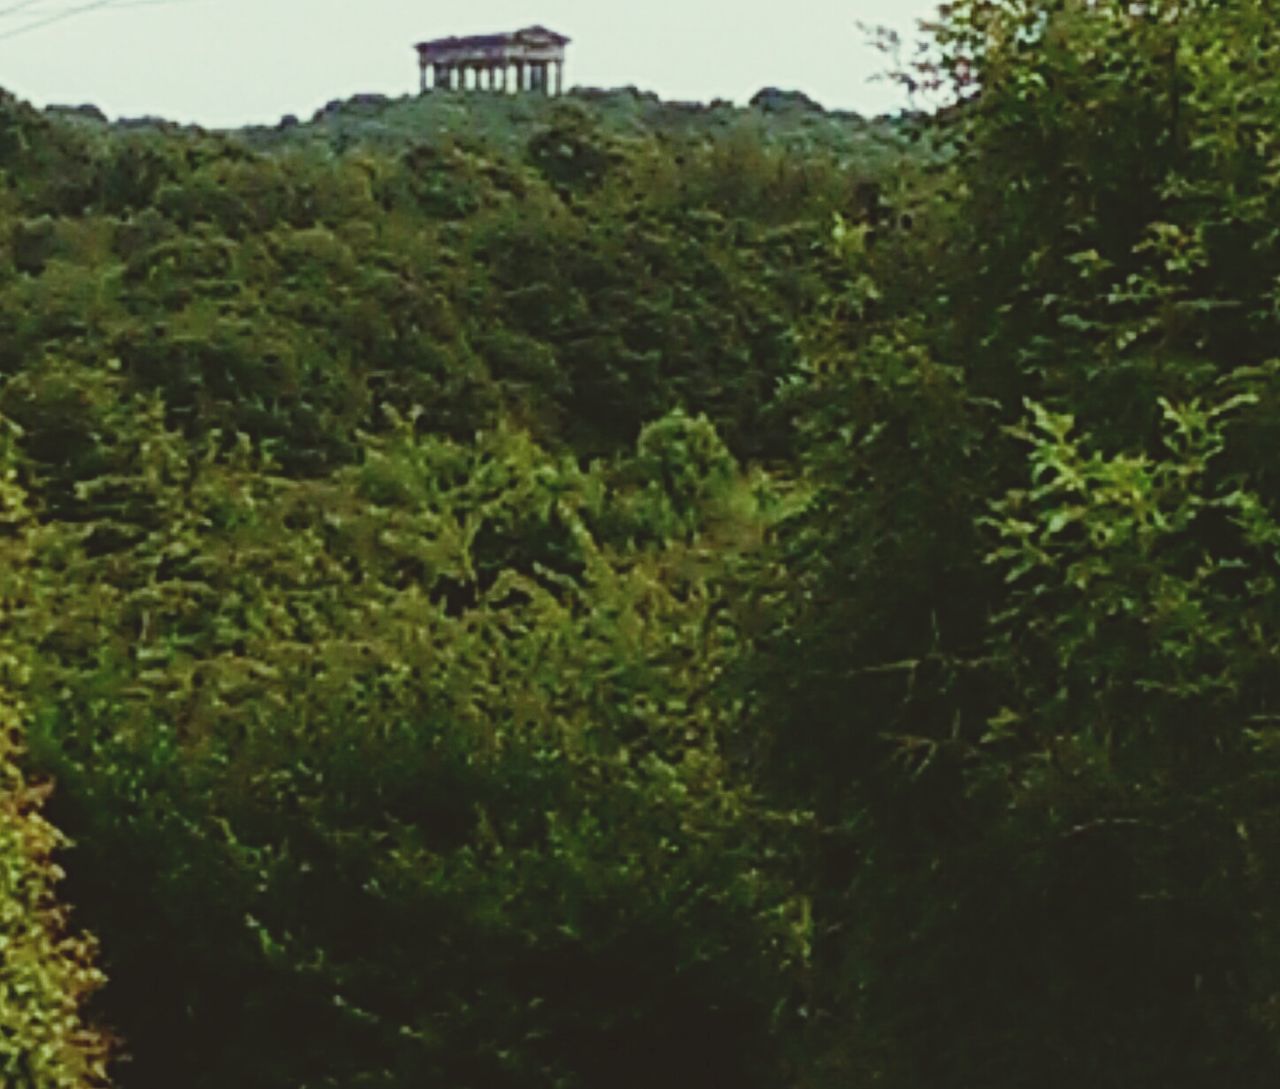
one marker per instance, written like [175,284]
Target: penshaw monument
[524,60]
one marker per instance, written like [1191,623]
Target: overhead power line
[14,9]
[64,9]
[48,16]
[67,14]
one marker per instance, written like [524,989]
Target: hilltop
[588,263]
[788,119]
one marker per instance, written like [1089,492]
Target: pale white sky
[234,62]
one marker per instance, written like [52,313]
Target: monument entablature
[531,59]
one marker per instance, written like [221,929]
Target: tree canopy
[623,595]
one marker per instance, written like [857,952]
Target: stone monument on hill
[520,61]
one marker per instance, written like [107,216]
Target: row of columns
[485,76]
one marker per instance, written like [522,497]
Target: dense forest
[555,594]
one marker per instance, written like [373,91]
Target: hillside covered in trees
[521,594]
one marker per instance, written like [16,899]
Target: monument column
[559,78]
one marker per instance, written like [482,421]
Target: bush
[46,972]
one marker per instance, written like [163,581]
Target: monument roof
[493,41]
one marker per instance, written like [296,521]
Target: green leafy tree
[46,971]
[1036,851]
[418,779]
